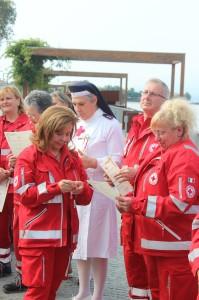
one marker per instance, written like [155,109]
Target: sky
[126,25]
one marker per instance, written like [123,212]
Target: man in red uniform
[140,143]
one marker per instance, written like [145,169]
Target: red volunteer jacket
[47,216]
[22,123]
[194,251]
[140,143]
[168,198]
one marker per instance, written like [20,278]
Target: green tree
[7,18]
[188,96]
[111,87]
[133,95]
[27,70]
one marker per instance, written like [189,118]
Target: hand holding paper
[127,173]
[4,174]
[112,170]
[104,188]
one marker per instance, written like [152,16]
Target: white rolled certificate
[112,169]
[104,188]
[18,140]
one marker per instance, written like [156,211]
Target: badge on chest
[153,179]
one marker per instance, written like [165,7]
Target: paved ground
[116,287]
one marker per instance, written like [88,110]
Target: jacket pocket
[36,262]
[36,217]
[169,230]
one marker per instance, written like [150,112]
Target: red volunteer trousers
[134,263]
[6,228]
[175,279]
[43,270]
[16,238]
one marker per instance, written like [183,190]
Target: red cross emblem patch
[153,179]
[190,191]
[152,147]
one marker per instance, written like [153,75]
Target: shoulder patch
[190,191]
[108,116]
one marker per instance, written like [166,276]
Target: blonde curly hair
[176,112]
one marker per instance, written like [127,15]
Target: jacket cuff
[54,189]
[137,206]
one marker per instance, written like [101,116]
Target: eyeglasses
[7,99]
[146,92]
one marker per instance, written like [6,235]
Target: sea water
[136,105]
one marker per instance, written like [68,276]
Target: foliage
[7,18]
[111,87]
[187,96]
[25,66]
[28,68]
[133,95]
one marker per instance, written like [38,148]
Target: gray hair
[63,98]
[40,99]
[165,89]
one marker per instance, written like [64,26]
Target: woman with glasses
[167,198]
[140,143]
[13,119]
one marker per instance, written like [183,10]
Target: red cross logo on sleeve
[79,131]
[190,191]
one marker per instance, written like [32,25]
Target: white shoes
[85,298]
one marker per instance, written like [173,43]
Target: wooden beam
[172,81]
[110,56]
[182,75]
[118,56]
[85,74]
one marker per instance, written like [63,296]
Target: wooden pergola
[123,77]
[171,59]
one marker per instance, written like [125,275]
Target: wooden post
[26,89]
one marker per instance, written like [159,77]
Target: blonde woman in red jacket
[140,143]
[168,199]
[49,182]
[13,119]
